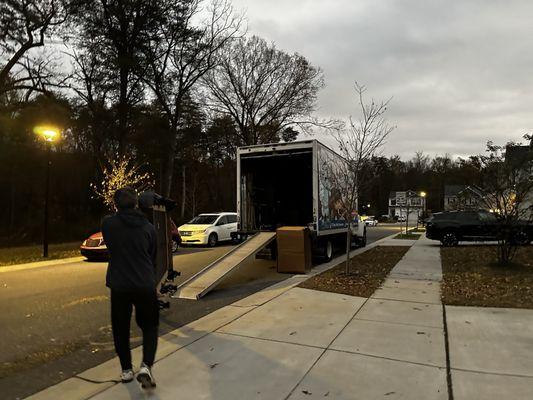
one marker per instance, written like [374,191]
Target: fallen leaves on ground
[367,272]
[472,278]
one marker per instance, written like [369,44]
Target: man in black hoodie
[131,242]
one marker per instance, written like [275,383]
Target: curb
[38,264]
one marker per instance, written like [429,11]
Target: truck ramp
[204,281]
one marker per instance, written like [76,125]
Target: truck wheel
[449,239]
[212,240]
[363,240]
[328,251]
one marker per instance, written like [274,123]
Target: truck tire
[363,240]
[212,240]
[449,239]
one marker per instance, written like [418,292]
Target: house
[462,197]
[406,202]
[522,157]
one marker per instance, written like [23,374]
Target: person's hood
[134,218]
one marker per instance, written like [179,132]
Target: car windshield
[203,220]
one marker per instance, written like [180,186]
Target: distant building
[520,155]
[462,197]
[407,201]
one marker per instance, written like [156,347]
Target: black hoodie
[131,241]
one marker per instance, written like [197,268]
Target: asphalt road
[55,320]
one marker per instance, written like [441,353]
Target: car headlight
[84,243]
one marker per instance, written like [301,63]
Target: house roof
[455,190]
[473,189]
[410,193]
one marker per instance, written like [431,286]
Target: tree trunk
[168,169]
[123,111]
[183,191]
[348,247]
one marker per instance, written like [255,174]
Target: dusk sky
[459,72]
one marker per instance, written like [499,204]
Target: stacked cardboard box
[294,249]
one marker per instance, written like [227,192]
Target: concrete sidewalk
[287,342]
[292,343]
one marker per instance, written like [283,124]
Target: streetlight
[423,195]
[49,134]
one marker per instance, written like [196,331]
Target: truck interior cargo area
[273,186]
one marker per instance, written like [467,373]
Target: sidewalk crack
[447,350]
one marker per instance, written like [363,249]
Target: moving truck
[288,184]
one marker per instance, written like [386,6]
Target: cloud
[459,72]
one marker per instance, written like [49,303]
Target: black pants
[147,318]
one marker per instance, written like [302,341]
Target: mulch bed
[367,272]
[471,277]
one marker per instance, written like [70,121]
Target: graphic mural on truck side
[330,212]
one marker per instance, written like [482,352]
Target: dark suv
[450,227]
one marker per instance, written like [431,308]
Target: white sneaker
[126,375]
[145,378]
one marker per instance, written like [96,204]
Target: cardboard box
[294,249]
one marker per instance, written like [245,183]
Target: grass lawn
[368,271]
[408,236]
[471,277]
[26,254]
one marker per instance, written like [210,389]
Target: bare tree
[25,25]
[94,92]
[507,176]
[263,89]
[182,52]
[111,35]
[358,144]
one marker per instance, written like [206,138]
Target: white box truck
[287,184]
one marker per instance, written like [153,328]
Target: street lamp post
[50,135]
[423,195]
[46,196]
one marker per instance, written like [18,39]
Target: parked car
[371,221]
[385,218]
[401,218]
[209,229]
[451,227]
[94,247]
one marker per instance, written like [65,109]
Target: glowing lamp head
[423,194]
[50,134]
